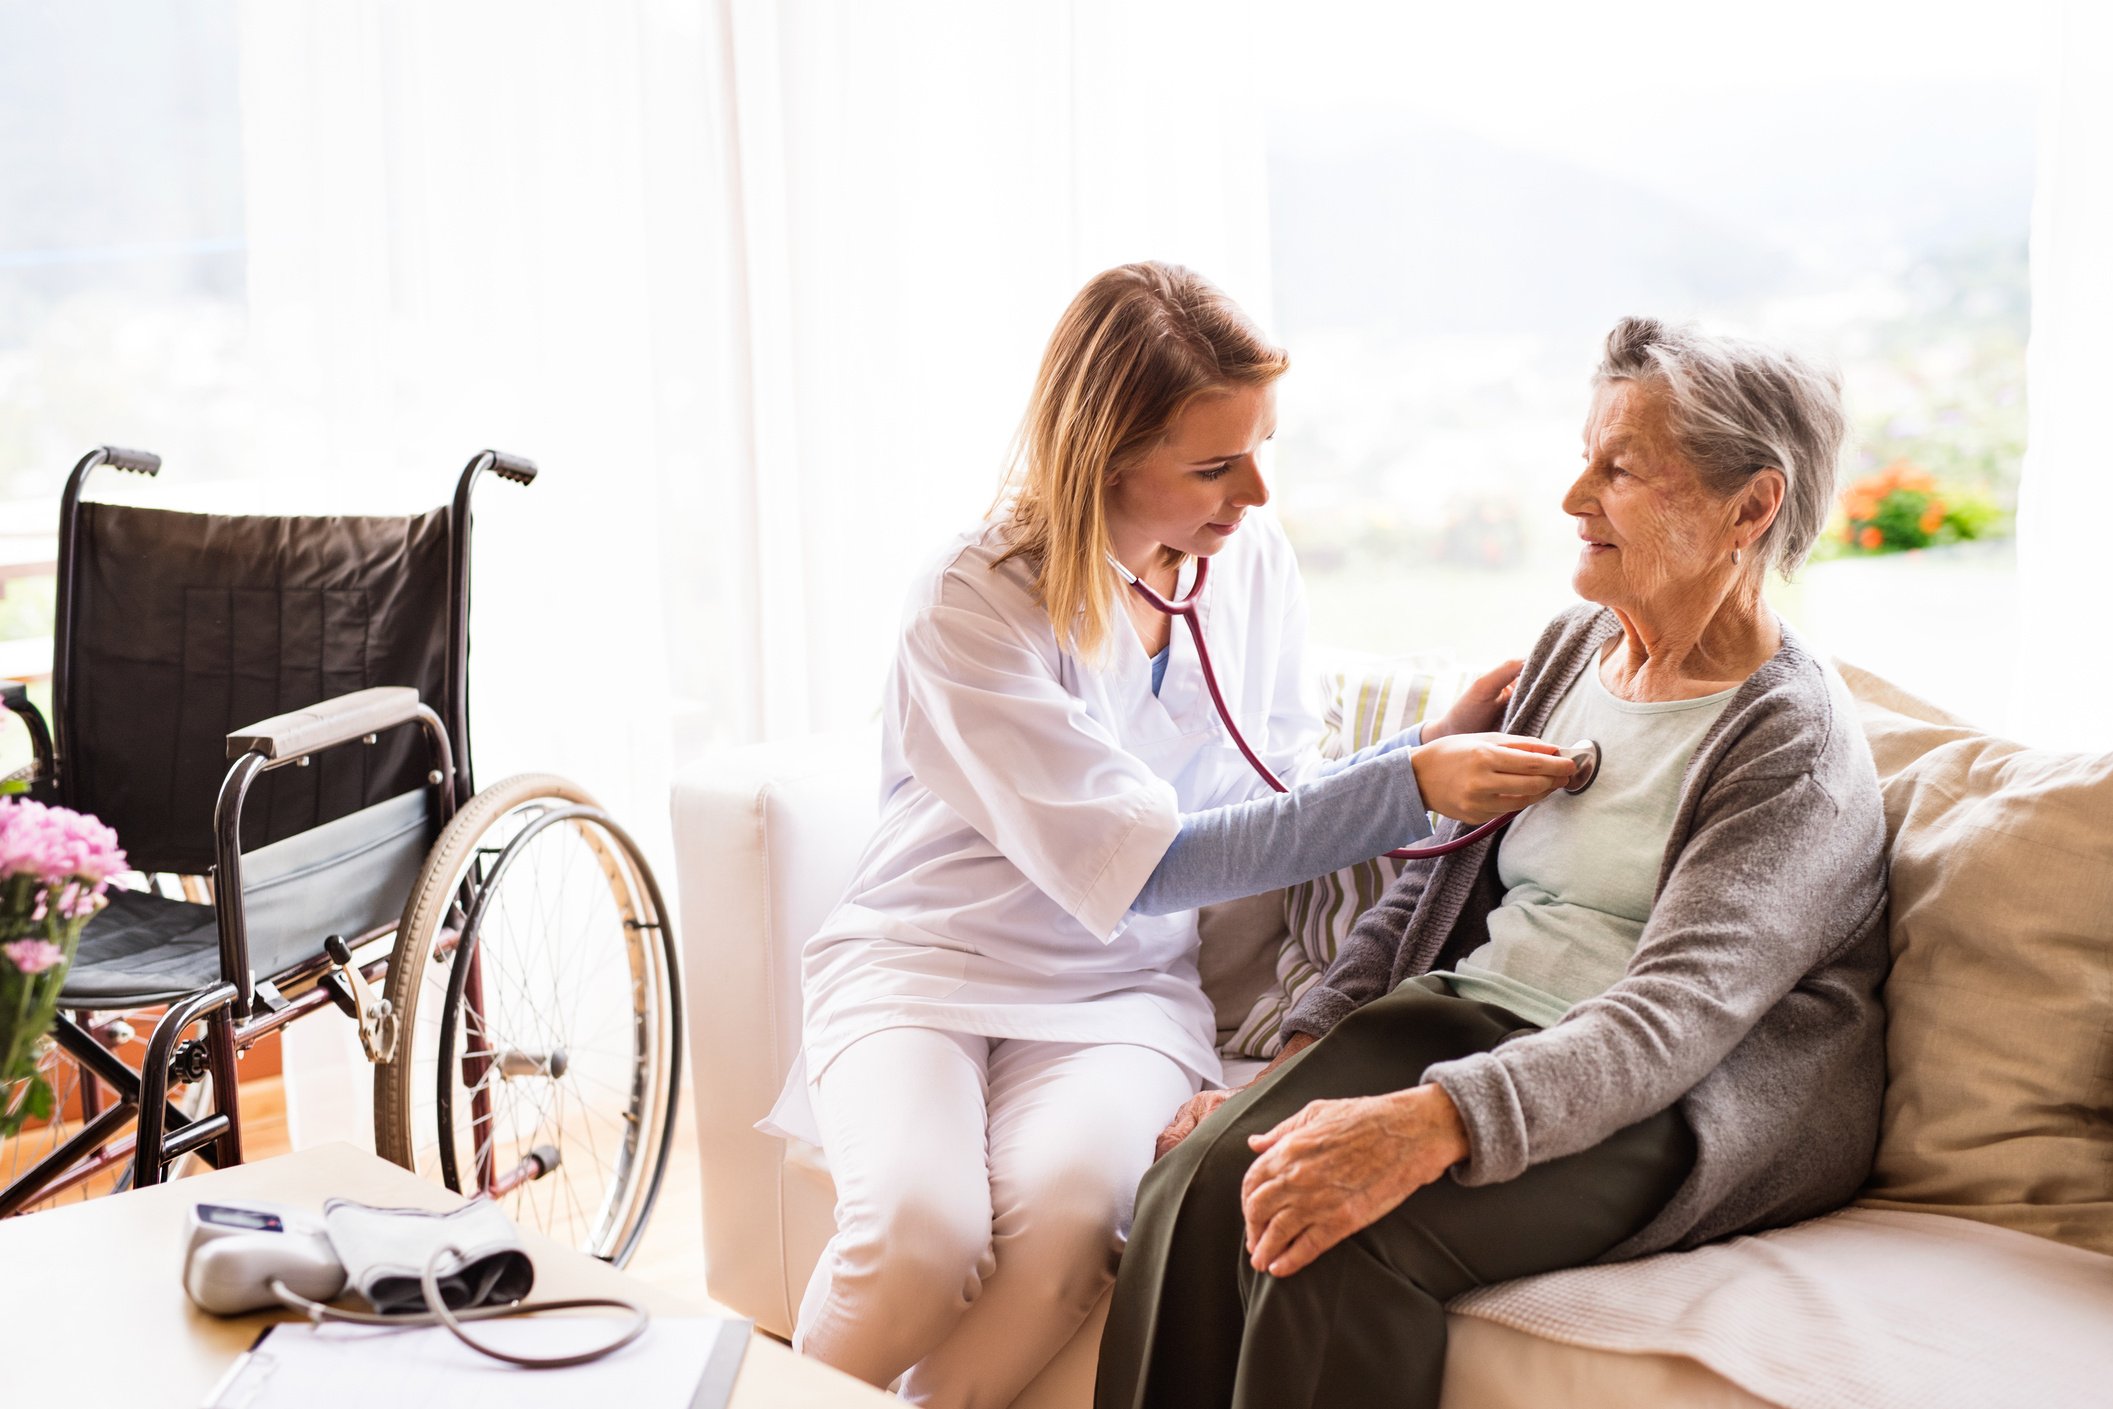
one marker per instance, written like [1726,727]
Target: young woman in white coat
[1004,1012]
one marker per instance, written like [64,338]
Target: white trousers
[984,1190]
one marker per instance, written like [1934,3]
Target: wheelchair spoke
[570,1186]
[594,1146]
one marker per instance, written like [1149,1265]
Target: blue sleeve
[1408,738]
[1352,814]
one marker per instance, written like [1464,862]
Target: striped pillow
[1365,704]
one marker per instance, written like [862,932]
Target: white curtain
[922,186]
[760,286]
[499,224]
[2064,680]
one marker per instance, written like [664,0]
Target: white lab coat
[1026,796]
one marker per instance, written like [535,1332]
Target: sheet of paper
[299,1366]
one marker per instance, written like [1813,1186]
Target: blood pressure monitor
[234,1252]
[241,1257]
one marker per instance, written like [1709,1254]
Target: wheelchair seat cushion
[143,948]
[348,877]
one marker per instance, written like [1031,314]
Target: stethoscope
[1584,754]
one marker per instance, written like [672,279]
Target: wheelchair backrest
[183,627]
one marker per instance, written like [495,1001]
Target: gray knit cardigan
[1752,999]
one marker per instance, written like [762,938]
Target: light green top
[1579,872]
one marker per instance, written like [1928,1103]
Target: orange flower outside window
[1901,508]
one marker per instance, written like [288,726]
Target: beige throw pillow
[1364,704]
[1999,1042]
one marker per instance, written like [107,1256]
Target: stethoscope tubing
[438,1314]
[1186,610]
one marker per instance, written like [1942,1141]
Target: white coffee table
[92,1305]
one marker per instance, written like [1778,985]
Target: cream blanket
[1862,1309]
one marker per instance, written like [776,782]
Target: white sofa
[766,837]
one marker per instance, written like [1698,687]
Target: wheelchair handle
[518,468]
[521,470]
[139,462]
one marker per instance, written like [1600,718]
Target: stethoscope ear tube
[1584,754]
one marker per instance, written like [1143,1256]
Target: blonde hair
[1138,344]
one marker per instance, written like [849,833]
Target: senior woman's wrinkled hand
[1340,1166]
[1193,1113]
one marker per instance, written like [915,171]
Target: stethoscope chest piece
[1585,754]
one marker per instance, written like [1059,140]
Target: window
[122,309]
[1462,206]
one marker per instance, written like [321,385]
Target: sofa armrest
[766,839]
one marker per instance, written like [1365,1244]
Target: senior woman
[1645,1018]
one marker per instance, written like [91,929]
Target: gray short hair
[1736,408]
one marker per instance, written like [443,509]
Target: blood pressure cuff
[385,1251]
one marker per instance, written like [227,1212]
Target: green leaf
[1899,518]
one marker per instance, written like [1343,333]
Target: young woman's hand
[1475,777]
[1480,707]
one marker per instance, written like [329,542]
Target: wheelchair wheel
[534,982]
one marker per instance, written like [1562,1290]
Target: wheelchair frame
[241,1008]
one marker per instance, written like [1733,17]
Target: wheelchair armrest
[320,726]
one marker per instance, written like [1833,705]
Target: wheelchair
[273,713]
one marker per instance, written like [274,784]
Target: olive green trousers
[1364,1324]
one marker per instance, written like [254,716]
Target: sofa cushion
[1999,1042]
[1365,702]
[1238,944]
[1860,1309]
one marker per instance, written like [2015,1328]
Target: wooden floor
[263,1128]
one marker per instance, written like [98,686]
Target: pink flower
[33,956]
[85,901]
[56,845]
